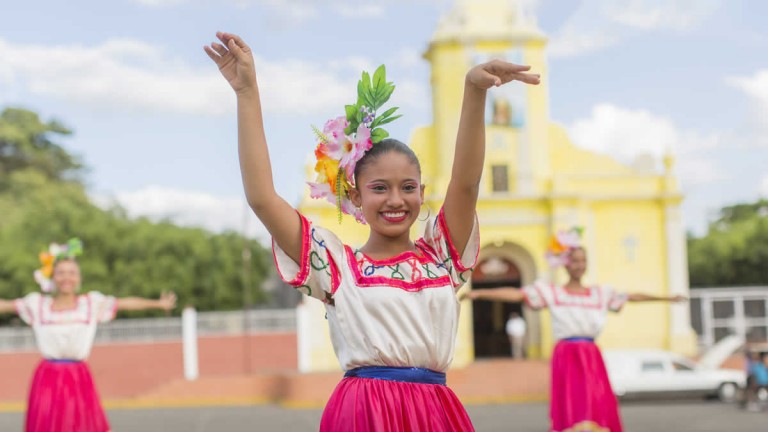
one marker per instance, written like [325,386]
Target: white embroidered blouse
[575,314]
[401,311]
[66,334]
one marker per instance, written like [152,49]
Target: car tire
[728,392]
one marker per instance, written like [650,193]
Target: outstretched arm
[469,156]
[510,295]
[636,297]
[7,306]
[235,61]
[167,301]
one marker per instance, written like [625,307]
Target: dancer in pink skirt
[391,304]
[581,396]
[63,397]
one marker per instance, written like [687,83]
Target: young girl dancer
[63,397]
[581,397]
[391,304]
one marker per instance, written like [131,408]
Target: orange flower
[327,170]
[47,260]
[556,247]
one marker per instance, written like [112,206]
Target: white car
[653,373]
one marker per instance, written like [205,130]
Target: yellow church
[536,182]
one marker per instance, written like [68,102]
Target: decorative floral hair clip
[345,139]
[561,244]
[56,252]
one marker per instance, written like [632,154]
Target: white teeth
[394,214]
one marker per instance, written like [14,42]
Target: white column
[677,275]
[304,334]
[189,343]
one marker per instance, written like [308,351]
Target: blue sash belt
[579,339]
[402,374]
[62,361]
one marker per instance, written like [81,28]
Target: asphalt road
[670,416]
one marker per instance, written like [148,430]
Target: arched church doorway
[490,318]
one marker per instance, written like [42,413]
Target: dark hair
[386,146]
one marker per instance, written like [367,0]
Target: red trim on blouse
[335,274]
[454,253]
[303,272]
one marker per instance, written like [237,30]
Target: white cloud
[130,75]
[755,86]
[360,11]
[626,134]
[188,208]
[116,75]
[295,12]
[159,3]
[599,24]
[572,40]
[660,14]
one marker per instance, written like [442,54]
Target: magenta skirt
[582,399]
[377,405]
[63,398]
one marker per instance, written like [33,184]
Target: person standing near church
[516,333]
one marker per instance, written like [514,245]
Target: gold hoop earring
[429,213]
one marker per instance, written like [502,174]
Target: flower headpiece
[345,139]
[561,244]
[55,252]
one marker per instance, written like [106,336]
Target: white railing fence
[163,329]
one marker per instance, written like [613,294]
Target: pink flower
[334,131]
[320,190]
[355,150]
[350,209]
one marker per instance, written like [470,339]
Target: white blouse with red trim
[66,334]
[401,311]
[575,314]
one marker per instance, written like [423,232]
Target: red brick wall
[126,370]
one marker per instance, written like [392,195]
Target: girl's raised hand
[497,72]
[235,61]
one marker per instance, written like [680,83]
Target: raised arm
[235,61]
[469,156]
[509,295]
[7,306]
[167,301]
[637,297]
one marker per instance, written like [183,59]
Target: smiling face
[390,192]
[577,263]
[66,276]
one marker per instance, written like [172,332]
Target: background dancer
[62,396]
[581,397]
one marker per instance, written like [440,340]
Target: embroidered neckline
[402,257]
[50,301]
[586,293]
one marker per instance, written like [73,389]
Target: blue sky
[155,122]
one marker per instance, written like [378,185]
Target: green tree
[734,251]
[27,142]
[43,201]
